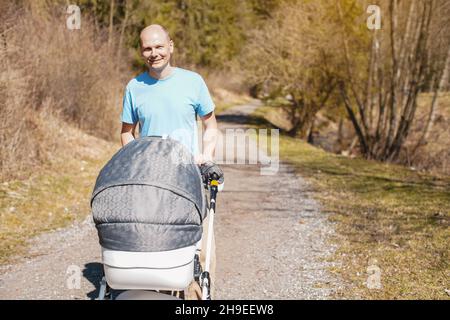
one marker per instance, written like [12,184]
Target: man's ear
[140,48]
[171,46]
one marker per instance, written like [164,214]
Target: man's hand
[209,169]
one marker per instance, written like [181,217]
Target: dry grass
[59,89]
[47,69]
[386,215]
[53,196]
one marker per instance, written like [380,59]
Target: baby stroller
[148,205]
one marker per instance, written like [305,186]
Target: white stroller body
[141,271]
[167,270]
[172,270]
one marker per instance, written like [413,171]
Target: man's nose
[153,53]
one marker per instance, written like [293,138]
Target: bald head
[156,47]
[154,31]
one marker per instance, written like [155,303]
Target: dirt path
[271,242]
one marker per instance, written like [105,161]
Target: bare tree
[382,100]
[289,59]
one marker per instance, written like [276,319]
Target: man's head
[156,47]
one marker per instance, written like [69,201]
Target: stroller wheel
[197,268]
[105,290]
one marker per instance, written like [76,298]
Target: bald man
[165,101]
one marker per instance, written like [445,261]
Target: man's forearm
[209,138]
[126,137]
[209,143]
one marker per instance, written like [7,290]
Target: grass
[221,107]
[54,196]
[225,104]
[386,216]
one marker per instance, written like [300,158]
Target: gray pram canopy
[149,197]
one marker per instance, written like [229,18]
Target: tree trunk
[354,120]
[340,133]
[310,139]
[434,103]
[111,21]
[416,84]
[122,31]
[395,74]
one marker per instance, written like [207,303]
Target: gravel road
[271,239]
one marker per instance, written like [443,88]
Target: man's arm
[209,137]
[127,133]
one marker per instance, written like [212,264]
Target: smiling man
[165,100]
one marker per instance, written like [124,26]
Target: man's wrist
[207,157]
[202,158]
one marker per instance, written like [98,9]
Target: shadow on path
[94,273]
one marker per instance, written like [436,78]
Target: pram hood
[149,197]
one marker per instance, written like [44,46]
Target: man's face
[156,49]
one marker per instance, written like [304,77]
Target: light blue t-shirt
[168,107]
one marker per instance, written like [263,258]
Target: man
[165,101]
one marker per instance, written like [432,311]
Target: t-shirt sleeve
[205,103]
[128,111]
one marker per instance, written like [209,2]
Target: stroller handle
[213,186]
[215,176]
[205,281]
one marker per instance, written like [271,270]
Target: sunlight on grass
[51,198]
[385,213]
